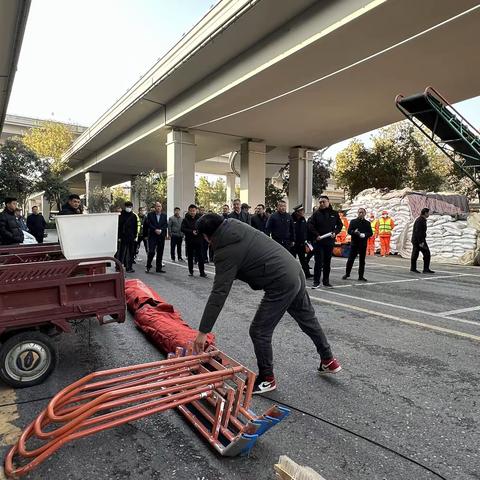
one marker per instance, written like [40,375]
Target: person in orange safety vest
[342,236]
[384,228]
[371,240]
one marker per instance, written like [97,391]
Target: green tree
[20,170]
[273,194]
[399,157]
[50,140]
[55,189]
[210,195]
[100,200]
[118,196]
[151,187]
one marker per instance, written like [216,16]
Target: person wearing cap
[301,241]
[240,212]
[10,231]
[385,226]
[280,226]
[243,253]
[259,220]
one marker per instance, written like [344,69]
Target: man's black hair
[324,196]
[192,205]
[424,211]
[74,196]
[268,210]
[261,205]
[176,208]
[10,200]
[209,223]
[236,200]
[128,204]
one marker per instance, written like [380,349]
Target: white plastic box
[88,235]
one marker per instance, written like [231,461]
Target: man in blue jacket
[157,224]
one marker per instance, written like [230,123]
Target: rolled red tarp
[158,319]
[138,294]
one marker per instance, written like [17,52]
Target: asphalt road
[410,382]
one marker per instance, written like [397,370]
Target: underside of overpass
[273,75]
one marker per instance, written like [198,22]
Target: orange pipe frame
[109,398]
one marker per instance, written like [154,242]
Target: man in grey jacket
[175,234]
[243,253]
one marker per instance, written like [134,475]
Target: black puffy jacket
[10,231]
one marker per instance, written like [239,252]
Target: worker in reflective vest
[384,229]
[342,236]
[371,240]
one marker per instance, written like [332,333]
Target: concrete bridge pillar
[301,177]
[181,152]
[93,180]
[230,179]
[252,172]
[134,196]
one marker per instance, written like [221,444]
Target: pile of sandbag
[452,235]
[158,319]
[376,201]
[450,240]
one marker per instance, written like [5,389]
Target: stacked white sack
[450,240]
[374,201]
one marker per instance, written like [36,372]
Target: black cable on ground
[336,425]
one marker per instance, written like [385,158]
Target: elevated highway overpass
[13,18]
[273,81]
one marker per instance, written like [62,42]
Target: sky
[79,57]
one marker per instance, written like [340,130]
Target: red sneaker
[329,366]
[263,385]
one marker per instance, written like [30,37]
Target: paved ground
[409,348]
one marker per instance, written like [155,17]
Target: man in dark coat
[324,225]
[73,206]
[301,234]
[193,241]
[419,242]
[240,212]
[259,220]
[157,231]
[10,231]
[243,253]
[280,226]
[360,230]
[127,236]
[36,224]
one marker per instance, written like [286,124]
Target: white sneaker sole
[326,372]
[265,390]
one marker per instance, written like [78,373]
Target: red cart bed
[40,292]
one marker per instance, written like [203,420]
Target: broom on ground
[287,469]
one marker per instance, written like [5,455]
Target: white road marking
[401,307]
[404,280]
[461,310]
[399,319]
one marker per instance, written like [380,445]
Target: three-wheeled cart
[40,293]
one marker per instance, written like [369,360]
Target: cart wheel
[27,359]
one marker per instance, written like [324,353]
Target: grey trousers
[293,299]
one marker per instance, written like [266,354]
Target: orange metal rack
[211,390]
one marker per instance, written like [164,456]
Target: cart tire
[27,359]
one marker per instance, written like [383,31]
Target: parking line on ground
[404,280]
[399,319]
[401,307]
[461,310]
